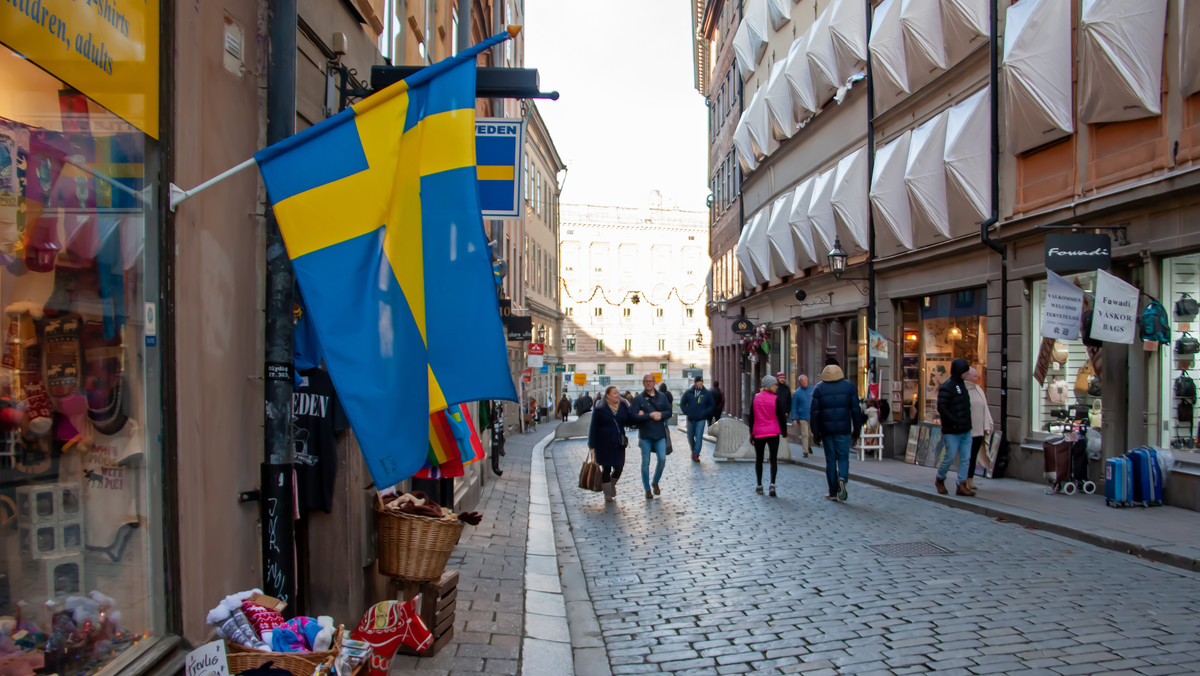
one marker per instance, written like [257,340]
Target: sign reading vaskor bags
[1073,252]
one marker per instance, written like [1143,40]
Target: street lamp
[722,304]
[541,334]
[837,265]
[699,338]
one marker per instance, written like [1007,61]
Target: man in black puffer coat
[836,416]
[954,408]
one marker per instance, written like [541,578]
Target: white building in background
[633,294]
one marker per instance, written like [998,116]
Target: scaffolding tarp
[1189,63]
[756,242]
[889,196]
[1120,55]
[822,59]
[964,26]
[850,200]
[780,114]
[750,38]
[925,175]
[924,47]
[742,253]
[848,28]
[1037,73]
[802,234]
[758,121]
[779,237]
[799,79]
[887,45]
[820,211]
[780,12]
[744,146]
[968,152]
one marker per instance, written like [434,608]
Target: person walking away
[650,412]
[531,414]
[981,422]
[564,407]
[836,417]
[582,406]
[606,436]
[954,408]
[801,402]
[765,424]
[783,399]
[718,403]
[697,407]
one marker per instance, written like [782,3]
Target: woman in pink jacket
[765,423]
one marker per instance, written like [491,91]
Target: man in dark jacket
[836,416]
[954,408]
[583,404]
[783,400]
[718,403]
[697,405]
[650,411]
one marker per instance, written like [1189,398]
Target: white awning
[759,246]
[1121,55]
[848,26]
[802,232]
[799,79]
[822,59]
[887,45]
[925,175]
[820,211]
[1037,73]
[779,237]
[750,39]
[1189,63]
[742,253]
[758,122]
[780,12]
[744,146]
[924,48]
[964,26]
[778,99]
[968,152]
[850,200]
[889,196]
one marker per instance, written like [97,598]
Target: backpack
[1155,325]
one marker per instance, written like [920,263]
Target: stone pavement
[713,578]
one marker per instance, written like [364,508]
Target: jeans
[659,448]
[957,446]
[837,460]
[695,432]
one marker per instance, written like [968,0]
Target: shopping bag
[589,474]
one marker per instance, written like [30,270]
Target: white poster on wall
[1115,317]
[1062,308]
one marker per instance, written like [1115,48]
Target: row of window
[541,271]
[601,369]
[662,344]
[540,194]
[725,185]
[724,103]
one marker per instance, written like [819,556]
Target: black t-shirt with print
[317,417]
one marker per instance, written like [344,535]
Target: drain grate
[910,549]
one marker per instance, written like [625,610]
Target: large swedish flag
[379,208]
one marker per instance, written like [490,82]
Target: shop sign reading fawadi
[107,49]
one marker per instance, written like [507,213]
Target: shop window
[952,326]
[1120,151]
[1064,393]
[1046,175]
[80,465]
[1178,427]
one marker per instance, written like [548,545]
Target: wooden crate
[438,601]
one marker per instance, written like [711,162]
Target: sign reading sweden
[498,145]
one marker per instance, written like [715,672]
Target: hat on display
[41,244]
[768,381]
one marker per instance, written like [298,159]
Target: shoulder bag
[589,474]
[1186,307]
[1187,344]
[621,436]
[1083,379]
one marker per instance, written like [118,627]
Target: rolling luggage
[1147,476]
[1056,459]
[1118,482]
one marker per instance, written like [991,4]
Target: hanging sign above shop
[498,145]
[1115,317]
[1073,252]
[520,328]
[1062,310]
[743,326]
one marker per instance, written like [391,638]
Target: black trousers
[610,473]
[771,443]
[976,444]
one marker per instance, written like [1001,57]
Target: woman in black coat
[607,437]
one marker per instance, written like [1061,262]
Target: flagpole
[179,194]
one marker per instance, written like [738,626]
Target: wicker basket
[414,547]
[242,658]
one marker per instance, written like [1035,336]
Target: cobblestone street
[712,578]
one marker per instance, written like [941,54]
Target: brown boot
[963,489]
[971,484]
[941,486]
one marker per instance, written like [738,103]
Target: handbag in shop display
[1093,387]
[1057,391]
[1186,307]
[1059,353]
[1185,387]
[1187,344]
[1083,379]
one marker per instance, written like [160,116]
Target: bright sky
[628,119]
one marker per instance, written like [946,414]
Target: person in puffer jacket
[835,416]
[954,408]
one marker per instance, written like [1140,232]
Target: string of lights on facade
[634,297]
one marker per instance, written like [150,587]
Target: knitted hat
[768,381]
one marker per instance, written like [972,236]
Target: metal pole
[278,491]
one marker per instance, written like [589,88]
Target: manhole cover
[910,549]
[617,580]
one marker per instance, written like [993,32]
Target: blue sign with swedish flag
[498,146]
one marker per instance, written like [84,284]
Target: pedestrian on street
[718,403]
[954,408]
[628,396]
[531,414]
[651,410]
[671,402]
[801,402]
[981,422]
[606,436]
[765,423]
[583,404]
[564,407]
[783,399]
[836,417]
[697,406]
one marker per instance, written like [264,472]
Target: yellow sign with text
[107,49]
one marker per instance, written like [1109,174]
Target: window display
[78,522]
[935,331]
[1071,391]
[1181,282]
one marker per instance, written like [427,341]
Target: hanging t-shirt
[110,481]
[317,417]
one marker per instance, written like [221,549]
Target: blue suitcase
[1147,477]
[1118,482]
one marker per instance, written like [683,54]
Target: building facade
[632,295]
